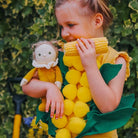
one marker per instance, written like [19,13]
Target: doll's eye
[49,53]
[39,54]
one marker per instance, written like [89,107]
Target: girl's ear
[98,20]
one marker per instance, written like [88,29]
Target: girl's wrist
[90,67]
[49,85]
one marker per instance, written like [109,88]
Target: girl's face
[73,23]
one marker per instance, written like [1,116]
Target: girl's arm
[106,97]
[54,99]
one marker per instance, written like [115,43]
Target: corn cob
[101,46]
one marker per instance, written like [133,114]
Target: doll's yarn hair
[51,43]
[92,6]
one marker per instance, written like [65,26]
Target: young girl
[81,20]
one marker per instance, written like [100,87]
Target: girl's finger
[86,43]
[57,110]
[81,45]
[62,110]
[91,43]
[52,109]
[47,105]
[79,50]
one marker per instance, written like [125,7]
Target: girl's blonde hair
[93,6]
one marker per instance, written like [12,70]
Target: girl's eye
[39,54]
[49,53]
[70,25]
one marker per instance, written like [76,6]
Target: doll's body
[45,62]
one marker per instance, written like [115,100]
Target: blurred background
[23,22]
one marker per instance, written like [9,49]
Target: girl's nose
[65,33]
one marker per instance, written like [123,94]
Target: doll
[45,65]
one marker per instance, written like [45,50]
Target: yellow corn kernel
[70,91]
[101,46]
[63,133]
[68,107]
[73,76]
[84,94]
[60,122]
[80,109]
[42,106]
[76,125]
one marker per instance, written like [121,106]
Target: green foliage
[123,35]
[23,22]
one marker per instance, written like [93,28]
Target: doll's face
[44,54]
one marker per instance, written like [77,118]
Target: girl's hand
[86,50]
[54,99]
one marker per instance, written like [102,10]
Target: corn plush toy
[76,92]
[45,66]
